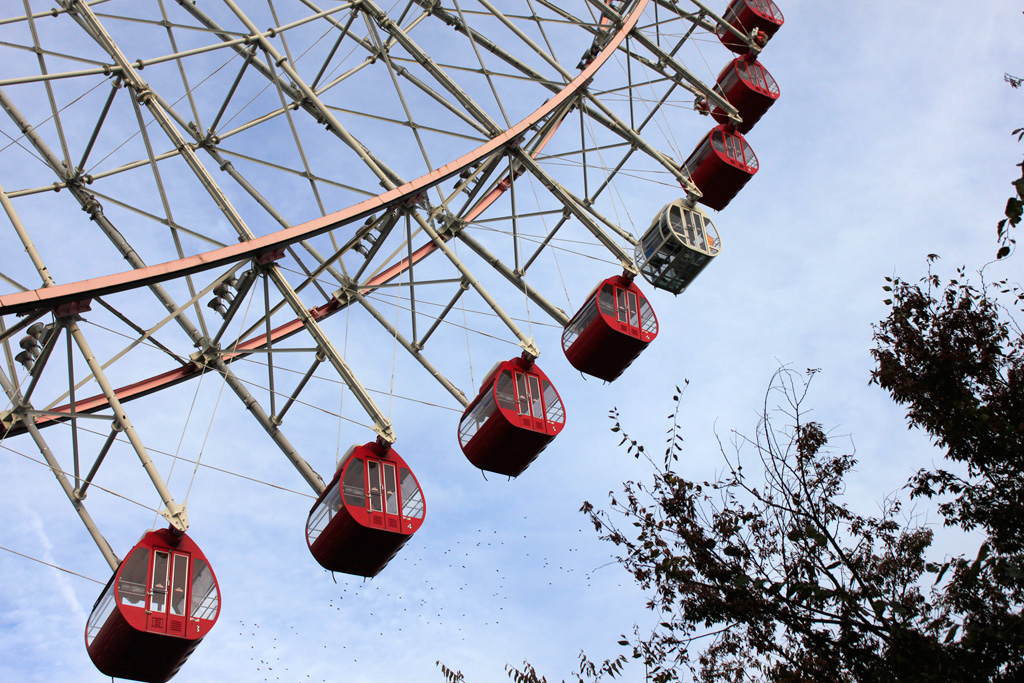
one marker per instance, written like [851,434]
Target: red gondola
[747,16]
[680,243]
[610,329]
[515,416]
[720,166]
[162,600]
[367,513]
[749,87]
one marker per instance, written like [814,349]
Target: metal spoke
[174,513]
[484,70]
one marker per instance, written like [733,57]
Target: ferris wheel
[289,196]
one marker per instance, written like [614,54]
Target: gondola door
[168,593]
[627,312]
[530,401]
[179,597]
[156,614]
[382,495]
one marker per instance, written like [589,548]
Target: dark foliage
[946,355]
[1013,212]
[1015,204]
[588,671]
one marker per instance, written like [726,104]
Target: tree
[954,357]
[946,353]
[1015,204]
[1014,208]
[773,573]
[768,574]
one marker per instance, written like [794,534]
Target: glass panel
[731,148]
[475,419]
[701,242]
[661,260]
[762,77]
[691,232]
[555,413]
[522,394]
[701,154]
[683,271]
[353,485]
[104,606]
[326,510]
[676,218]
[714,245]
[159,596]
[179,581]
[718,141]
[205,600]
[678,278]
[504,391]
[730,79]
[773,87]
[634,318]
[668,221]
[131,586]
[390,489]
[579,323]
[648,321]
[376,497]
[536,408]
[648,247]
[755,77]
[412,499]
[605,300]
[620,305]
[751,160]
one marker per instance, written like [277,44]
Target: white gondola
[680,243]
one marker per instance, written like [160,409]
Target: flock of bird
[478,587]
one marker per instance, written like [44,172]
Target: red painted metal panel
[720,166]
[749,87]
[603,338]
[749,15]
[521,426]
[349,537]
[149,631]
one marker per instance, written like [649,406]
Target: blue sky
[891,141]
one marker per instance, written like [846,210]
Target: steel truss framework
[260,181]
